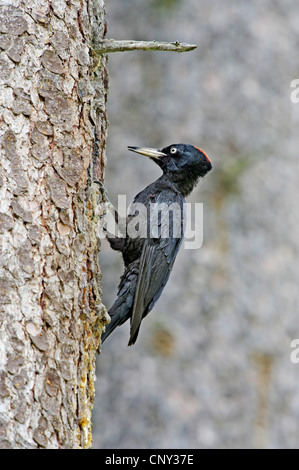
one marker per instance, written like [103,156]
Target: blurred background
[211,367]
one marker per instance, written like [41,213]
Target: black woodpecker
[149,258]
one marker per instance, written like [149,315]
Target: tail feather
[119,313]
[109,328]
[121,310]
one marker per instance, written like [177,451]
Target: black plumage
[149,260]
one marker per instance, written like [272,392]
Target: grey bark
[53,131]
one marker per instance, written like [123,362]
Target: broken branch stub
[111,45]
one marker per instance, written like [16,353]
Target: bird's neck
[184,184]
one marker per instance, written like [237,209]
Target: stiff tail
[109,328]
[119,313]
[121,310]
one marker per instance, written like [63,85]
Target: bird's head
[181,163]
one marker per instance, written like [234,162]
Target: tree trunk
[53,131]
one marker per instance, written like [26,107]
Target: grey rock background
[211,367]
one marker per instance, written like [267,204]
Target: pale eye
[173,150]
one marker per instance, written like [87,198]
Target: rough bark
[53,130]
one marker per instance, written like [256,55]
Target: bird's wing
[157,258]
[143,282]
